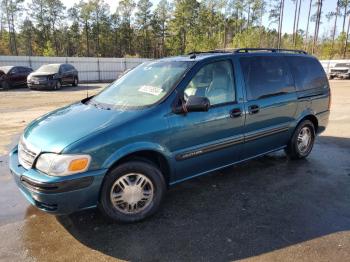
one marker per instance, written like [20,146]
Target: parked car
[340,70]
[167,121]
[13,76]
[53,76]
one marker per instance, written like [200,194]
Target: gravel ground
[268,209]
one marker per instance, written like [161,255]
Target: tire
[331,77]
[58,85]
[75,81]
[129,204]
[5,85]
[302,141]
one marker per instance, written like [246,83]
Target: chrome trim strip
[231,142]
[208,149]
[264,133]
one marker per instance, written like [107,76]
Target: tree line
[48,28]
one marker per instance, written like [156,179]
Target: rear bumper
[322,119]
[58,195]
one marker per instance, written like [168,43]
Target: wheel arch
[310,117]
[153,154]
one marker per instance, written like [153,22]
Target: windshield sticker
[153,90]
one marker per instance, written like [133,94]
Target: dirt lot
[269,209]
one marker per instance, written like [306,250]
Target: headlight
[51,77]
[62,165]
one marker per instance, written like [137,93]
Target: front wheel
[5,85]
[75,81]
[132,191]
[302,141]
[58,85]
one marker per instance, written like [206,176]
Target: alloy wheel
[132,193]
[304,139]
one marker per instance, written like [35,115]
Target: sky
[328,5]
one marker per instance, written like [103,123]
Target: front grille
[39,78]
[26,154]
[339,70]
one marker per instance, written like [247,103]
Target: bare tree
[12,9]
[307,27]
[317,24]
[346,39]
[280,25]
[295,19]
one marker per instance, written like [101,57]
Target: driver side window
[214,81]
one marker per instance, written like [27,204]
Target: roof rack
[209,52]
[274,50]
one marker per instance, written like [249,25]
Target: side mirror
[193,104]
[197,104]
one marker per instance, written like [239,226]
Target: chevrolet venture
[167,121]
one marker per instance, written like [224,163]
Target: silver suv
[340,70]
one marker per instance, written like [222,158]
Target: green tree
[125,10]
[143,18]
[160,23]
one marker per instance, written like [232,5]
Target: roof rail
[277,50]
[209,52]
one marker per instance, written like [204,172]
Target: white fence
[90,68]
[100,69]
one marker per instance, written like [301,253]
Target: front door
[204,141]
[271,103]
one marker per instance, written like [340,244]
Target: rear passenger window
[265,76]
[308,72]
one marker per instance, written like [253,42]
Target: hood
[58,129]
[41,74]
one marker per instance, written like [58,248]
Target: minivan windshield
[144,85]
[48,69]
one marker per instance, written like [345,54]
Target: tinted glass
[64,68]
[307,72]
[24,69]
[144,85]
[214,81]
[21,69]
[14,71]
[265,76]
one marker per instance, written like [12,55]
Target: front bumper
[339,75]
[49,84]
[58,195]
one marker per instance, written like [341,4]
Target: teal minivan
[167,121]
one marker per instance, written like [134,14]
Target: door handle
[253,109]
[236,112]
